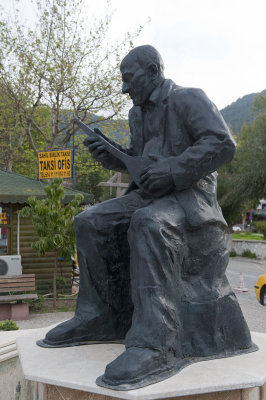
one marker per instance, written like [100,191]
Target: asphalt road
[251,269]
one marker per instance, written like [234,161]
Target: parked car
[236,228]
[260,290]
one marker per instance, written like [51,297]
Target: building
[17,234]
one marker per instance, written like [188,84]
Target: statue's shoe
[75,332]
[138,367]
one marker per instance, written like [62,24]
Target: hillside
[240,111]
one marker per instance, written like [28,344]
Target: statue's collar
[161,92]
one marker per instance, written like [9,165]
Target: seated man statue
[152,262]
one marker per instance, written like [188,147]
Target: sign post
[56,164]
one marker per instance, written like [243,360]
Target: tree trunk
[55,276]
[9,164]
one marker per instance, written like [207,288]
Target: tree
[243,182]
[65,65]
[11,131]
[15,150]
[250,157]
[227,197]
[54,224]
[88,173]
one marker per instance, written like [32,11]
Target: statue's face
[136,81]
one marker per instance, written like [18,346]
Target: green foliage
[261,227]
[227,199]
[247,236]
[88,173]
[37,304]
[54,223]
[242,183]
[233,253]
[61,284]
[64,65]
[251,160]
[247,253]
[8,325]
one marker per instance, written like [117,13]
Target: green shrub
[248,254]
[261,227]
[37,304]
[8,325]
[61,284]
[233,253]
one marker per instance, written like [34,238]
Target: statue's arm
[212,144]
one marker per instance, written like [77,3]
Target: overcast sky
[217,45]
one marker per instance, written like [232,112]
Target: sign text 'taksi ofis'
[55,164]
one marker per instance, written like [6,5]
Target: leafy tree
[54,224]
[15,150]
[250,157]
[227,198]
[11,131]
[243,182]
[261,227]
[88,173]
[64,64]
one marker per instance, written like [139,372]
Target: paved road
[254,312]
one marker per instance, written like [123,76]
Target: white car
[236,228]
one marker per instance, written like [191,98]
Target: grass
[248,236]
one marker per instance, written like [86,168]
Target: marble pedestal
[70,374]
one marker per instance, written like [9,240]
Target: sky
[217,45]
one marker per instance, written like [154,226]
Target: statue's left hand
[157,178]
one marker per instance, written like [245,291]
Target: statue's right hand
[97,147]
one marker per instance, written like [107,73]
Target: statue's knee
[143,220]
[83,219]
[77,221]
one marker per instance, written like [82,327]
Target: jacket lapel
[159,124]
[137,134]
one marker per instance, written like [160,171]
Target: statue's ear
[152,70]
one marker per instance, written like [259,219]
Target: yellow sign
[3,218]
[55,164]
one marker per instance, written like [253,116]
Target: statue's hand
[157,178]
[96,146]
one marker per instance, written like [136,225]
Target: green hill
[240,111]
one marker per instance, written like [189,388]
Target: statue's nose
[125,87]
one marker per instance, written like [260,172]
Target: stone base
[16,311]
[70,373]
[49,392]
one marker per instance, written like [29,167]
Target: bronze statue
[153,261]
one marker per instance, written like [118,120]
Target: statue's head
[142,71]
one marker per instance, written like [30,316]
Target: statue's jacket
[191,133]
[183,303]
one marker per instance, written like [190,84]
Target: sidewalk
[25,327]
[43,320]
